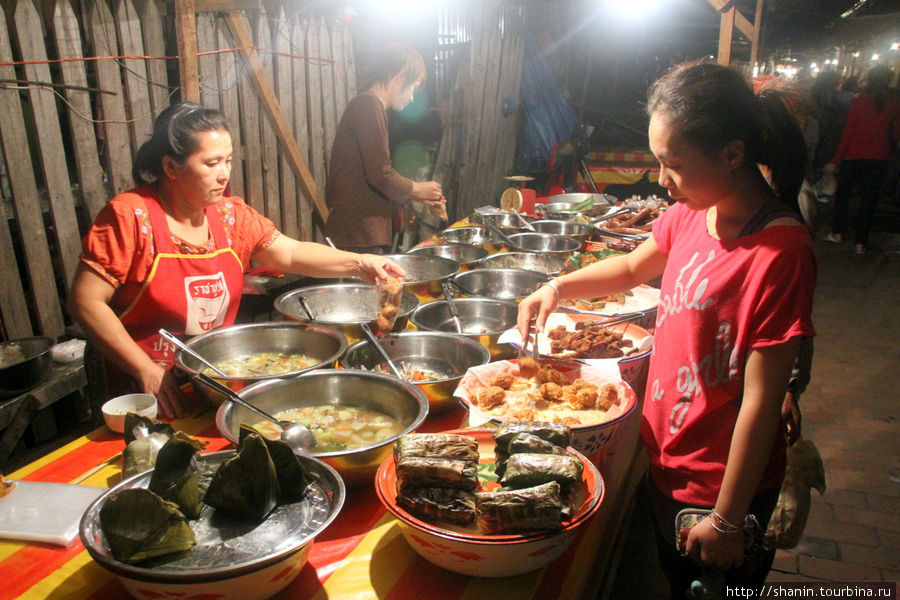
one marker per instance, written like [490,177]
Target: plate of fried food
[643,299]
[585,337]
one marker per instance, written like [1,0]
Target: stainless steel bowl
[575,198]
[505,221]
[577,231]
[531,261]
[473,236]
[466,256]
[482,320]
[447,354]
[339,387]
[501,284]
[324,344]
[424,273]
[21,376]
[343,306]
[249,562]
[546,243]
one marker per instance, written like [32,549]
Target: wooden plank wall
[67,150]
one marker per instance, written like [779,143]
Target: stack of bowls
[323,344]
[343,306]
[447,354]
[338,387]
[482,319]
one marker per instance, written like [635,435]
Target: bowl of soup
[255,352]
[356,416]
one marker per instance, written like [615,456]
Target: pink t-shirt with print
[719,299]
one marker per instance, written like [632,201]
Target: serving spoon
[190,352]
[297,435]
[452,307]
[384,355]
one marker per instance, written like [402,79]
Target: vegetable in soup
[260,364]
[337,428]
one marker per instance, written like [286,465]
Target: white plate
[643,299]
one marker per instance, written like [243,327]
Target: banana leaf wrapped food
[517,511]
[139,525]
[526,443]
[175,477]
[528,470]
[246,485]
[144,438]
[436,445]
[439,503]
[555,433]
[416,471]
[292,477]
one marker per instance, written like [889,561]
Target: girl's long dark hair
[711,105]
[175,135]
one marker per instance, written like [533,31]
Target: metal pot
[473,236]
[502,284]
[343,306]
[424,274]
[324,344]
[546,243]
[445,353]
[466,256]
[339,387]
[482,320]
[530,261]
[19,377]
[577,231]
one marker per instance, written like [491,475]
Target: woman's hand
[540,303]
[707,547]
[790,412]
[374,268]
[161,383]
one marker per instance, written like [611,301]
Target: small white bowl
[114,410]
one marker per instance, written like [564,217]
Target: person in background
[738,276]
[862,159]
[171,254]
[363,187]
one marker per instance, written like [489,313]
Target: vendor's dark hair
[175,135]
[878,83]
[391,60]
[710,105]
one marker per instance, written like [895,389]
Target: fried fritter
[548,373]
[608,397]
[551,392]
[503,380]
[490,397]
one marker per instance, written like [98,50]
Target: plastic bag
[390,293]
[804,471]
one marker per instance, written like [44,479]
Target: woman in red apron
[171,254]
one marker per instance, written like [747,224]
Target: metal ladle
[184,348]
[297,435]
[384,355]
[452,307]
[306,307]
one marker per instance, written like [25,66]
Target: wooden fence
[80,84]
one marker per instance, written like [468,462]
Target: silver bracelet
[722,525]
[552,284]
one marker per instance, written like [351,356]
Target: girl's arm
[765,380]
[89,305]
[604,277]
[319,260]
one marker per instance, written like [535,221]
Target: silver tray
[227,546]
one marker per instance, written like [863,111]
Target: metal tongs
[529,365]
[454,313]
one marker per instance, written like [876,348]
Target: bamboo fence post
[283,89]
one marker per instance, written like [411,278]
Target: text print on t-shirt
[207,302]
[718,367]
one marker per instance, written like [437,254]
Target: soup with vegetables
[337,428]
[260,364]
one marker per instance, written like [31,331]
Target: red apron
[187,294]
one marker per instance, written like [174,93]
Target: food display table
[361,555]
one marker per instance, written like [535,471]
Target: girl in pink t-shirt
[738,274]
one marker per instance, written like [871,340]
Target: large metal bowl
[546,243]
[324,344]
[502,284]
[505,221]
[466,256]
[447,354]
[531,261]
[575,198]
[424,273]
[232,559]
[343,306]
[473,236]
[21,376]
[577,231]
[338,387]
[482,320]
